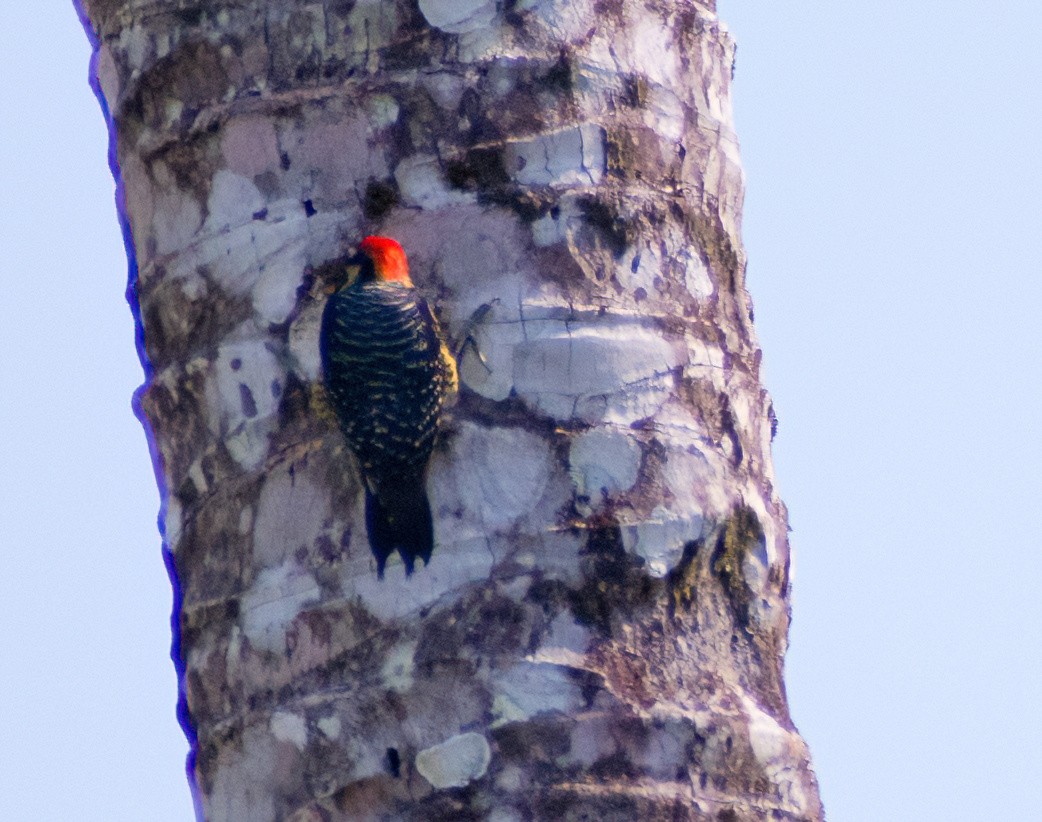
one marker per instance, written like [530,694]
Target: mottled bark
[600,633]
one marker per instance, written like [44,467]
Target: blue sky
[895,261]
[895,257]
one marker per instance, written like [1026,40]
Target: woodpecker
[388,373]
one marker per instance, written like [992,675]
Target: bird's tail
[398,517]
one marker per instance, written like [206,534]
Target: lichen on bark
[600,633]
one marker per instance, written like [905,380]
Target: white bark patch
[457,16]
[666,750]
[247,384]
[555,554]
[603,462]
[493,497]
[171,523]
[532,688]
[592,739]
[444,87]
[687,473]
[304,333]
[233,201]
[249,146]
[768,739]
[661,539]
[777,751]
[135,43]
[264,258]
[246,519]
[233,655]
[421,184]
[454,565]
[456,761]
[478,254]
[289,727]
[176,220]
[497,343]
[273,601]
[595,373]
[653,51]
[330,726]
[242,783]
[568,20]
[696,277]
[665,114]
[566,634]
[569,157]
[313,240]
[291,511]
[108,77]
[501,815]
[140,198]
[383,110]
[328,158]
[397,672]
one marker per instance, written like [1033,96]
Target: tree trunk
[600,632]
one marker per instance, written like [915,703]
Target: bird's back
[387,375]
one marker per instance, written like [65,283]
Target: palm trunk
[600,632]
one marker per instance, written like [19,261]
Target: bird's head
[378,259]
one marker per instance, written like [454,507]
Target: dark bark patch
[177,417]
[640,153]
[484,625]
[559,77]
[718,249]
[682,580]
[605,219]
[550,595]
[616,766]
[615,586]
[479,127]
[358,799]
[193,74]
[380,197]
[562,802]
[714,410]
[295,55]
[742,535]
[610,9]
[249,404]
[539,740]
[634,90]
[415,50]
[557,265]
[189,16]
[479,170]
[511,412]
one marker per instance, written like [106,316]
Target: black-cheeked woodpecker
[388,373]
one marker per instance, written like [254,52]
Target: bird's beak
[352,268]
[351,271]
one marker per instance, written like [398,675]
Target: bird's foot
[466,337]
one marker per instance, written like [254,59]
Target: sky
[895,262]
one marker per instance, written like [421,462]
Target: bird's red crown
[388,259]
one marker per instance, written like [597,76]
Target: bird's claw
[467,338]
